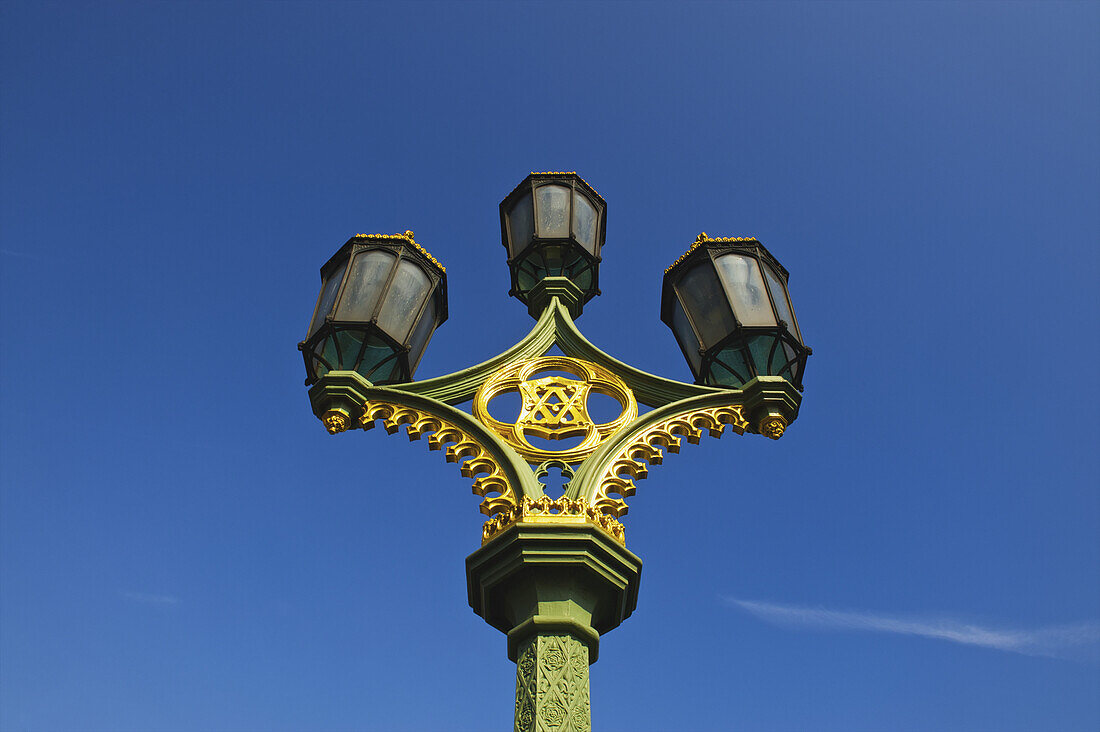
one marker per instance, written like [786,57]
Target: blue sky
[182,545]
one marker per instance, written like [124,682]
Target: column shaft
[552,685]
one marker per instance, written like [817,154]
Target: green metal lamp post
[554,574]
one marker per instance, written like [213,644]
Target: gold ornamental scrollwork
[554,407]
[473,460]
[629,463]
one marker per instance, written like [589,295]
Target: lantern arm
[555,326]
[606,478]
[460,386]
[501,477]
[651,390]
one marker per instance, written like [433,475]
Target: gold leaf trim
[647,447]
[407,236]
[548,511]
[473,460]
[704,239]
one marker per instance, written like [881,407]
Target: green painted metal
[555,327]
[552,691]
[460,386]
[554,588]
[553,578]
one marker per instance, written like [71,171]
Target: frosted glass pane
[521,224]
[685,335]
[584,222]
[420,336]
[553,211]
[703,297]
[369,271]
[745,286]
[779,297]
[328,296]
[403,299]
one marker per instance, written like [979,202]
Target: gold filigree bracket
[547,511]
[473,460]
[629,462]
[554,407]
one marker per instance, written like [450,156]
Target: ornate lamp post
[554,574]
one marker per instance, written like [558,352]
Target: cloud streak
[1059,641]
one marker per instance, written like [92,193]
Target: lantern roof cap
[550,174]
[407,236]
[708,241]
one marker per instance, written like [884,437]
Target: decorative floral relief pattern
[552,686]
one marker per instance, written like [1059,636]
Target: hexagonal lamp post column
[553,573]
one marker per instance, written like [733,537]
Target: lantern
[381,299]
[553,225]
[726,302]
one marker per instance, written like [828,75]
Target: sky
[184,547]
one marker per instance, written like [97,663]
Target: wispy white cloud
[151,599]
[1077,640]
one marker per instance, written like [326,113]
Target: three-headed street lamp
[554,574]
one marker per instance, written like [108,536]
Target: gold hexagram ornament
[554,407]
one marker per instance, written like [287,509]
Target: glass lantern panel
[552,204]
[785,357]
[779,297]
[745,286]
[327,298]
[383,372]
[521,224]
[706,304]
[403,299]
[350,343]
[685,335]
[584,222]
[421,334]
[374,365]
[729,368]
[761,349]
[580,273]
[369,271]
[326,350]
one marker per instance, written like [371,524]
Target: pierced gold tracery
[474,461]
[554,407]
[548,511]
[628,461]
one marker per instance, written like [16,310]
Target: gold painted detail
[548,511]
[407,236]
[554,407]
[335,421]
[628,466]
[704,239]
[473,460]
[773,427]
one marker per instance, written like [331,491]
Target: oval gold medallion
[554,407]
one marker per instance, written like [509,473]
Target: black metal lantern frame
[347,335]
[721,348]
[543,239]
